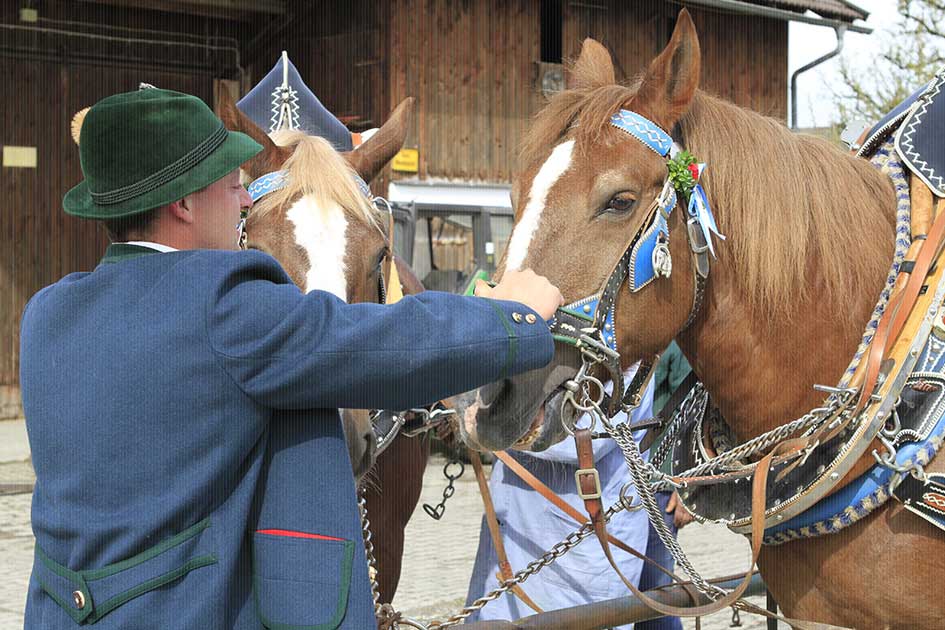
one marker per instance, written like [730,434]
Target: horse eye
[620,204]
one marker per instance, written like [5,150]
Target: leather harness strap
[896,313]
[549,495]
[505,567]
[588,481]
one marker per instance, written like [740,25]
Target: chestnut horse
[810,234]
[327,235]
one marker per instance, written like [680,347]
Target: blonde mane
[316,169]
[789,203]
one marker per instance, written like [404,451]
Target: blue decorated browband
[643,130]
[270,182]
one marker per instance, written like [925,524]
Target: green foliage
[679,173]
[901,64]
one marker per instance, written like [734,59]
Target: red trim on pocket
[291,534]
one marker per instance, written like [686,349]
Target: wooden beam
[239,10]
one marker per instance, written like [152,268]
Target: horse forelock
[316,170]
[790,204]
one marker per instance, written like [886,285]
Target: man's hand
[681,516]
[527,287]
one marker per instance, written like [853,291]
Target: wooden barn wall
[632,35]
[338,49]
[39,243]
[472,67]
[745,60]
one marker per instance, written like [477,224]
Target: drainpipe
[840,30]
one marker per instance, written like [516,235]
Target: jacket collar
[117,252]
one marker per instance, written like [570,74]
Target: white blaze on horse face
[549,173]
[321,233]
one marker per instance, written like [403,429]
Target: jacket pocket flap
[300,580]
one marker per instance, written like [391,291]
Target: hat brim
[234,151]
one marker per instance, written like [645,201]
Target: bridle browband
[589,324]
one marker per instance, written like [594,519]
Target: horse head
[585,189]
[322,226]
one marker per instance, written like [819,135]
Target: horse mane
[789,203]
[316,169]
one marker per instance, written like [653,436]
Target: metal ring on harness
[627,501]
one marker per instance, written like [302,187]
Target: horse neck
[759,367]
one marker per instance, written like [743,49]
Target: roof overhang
[749,8]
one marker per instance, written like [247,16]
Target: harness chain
[556,551]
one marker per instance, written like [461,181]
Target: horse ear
[369,158]
[271,157]
[672,78]
[594,67]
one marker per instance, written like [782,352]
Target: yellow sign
[22,157]
[406,161]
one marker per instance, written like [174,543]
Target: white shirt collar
[158,246]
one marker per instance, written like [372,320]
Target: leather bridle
[589,324]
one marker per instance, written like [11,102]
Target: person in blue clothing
[530,525]
[181,399]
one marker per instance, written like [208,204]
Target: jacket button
[79,598]
[530,318]
[517,318]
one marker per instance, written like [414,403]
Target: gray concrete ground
[438,557]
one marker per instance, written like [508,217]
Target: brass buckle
[577,480]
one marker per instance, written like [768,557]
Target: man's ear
[181,210]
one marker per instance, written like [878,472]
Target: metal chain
[436,512]
[369,552]
[835,408]
[640,471]
[558,550]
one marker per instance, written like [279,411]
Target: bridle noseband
[589,323]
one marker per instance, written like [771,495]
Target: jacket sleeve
[289,350]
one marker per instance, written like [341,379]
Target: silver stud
[587,308]
[731,516]
[834,476]
[777,501]
[517,318]
[78,597]
[821,469]
[530,318]
[779,517]
[607,327]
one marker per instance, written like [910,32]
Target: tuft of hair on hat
[77,123]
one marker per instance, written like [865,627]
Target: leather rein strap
[589,485]
[505,567]
[549,495]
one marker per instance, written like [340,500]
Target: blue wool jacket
[191,470]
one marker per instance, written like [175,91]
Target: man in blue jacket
[150,386]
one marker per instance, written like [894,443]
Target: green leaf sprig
[680,173]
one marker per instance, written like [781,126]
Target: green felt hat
[144,149]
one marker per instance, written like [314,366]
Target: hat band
[167,174]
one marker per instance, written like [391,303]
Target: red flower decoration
[695,171]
